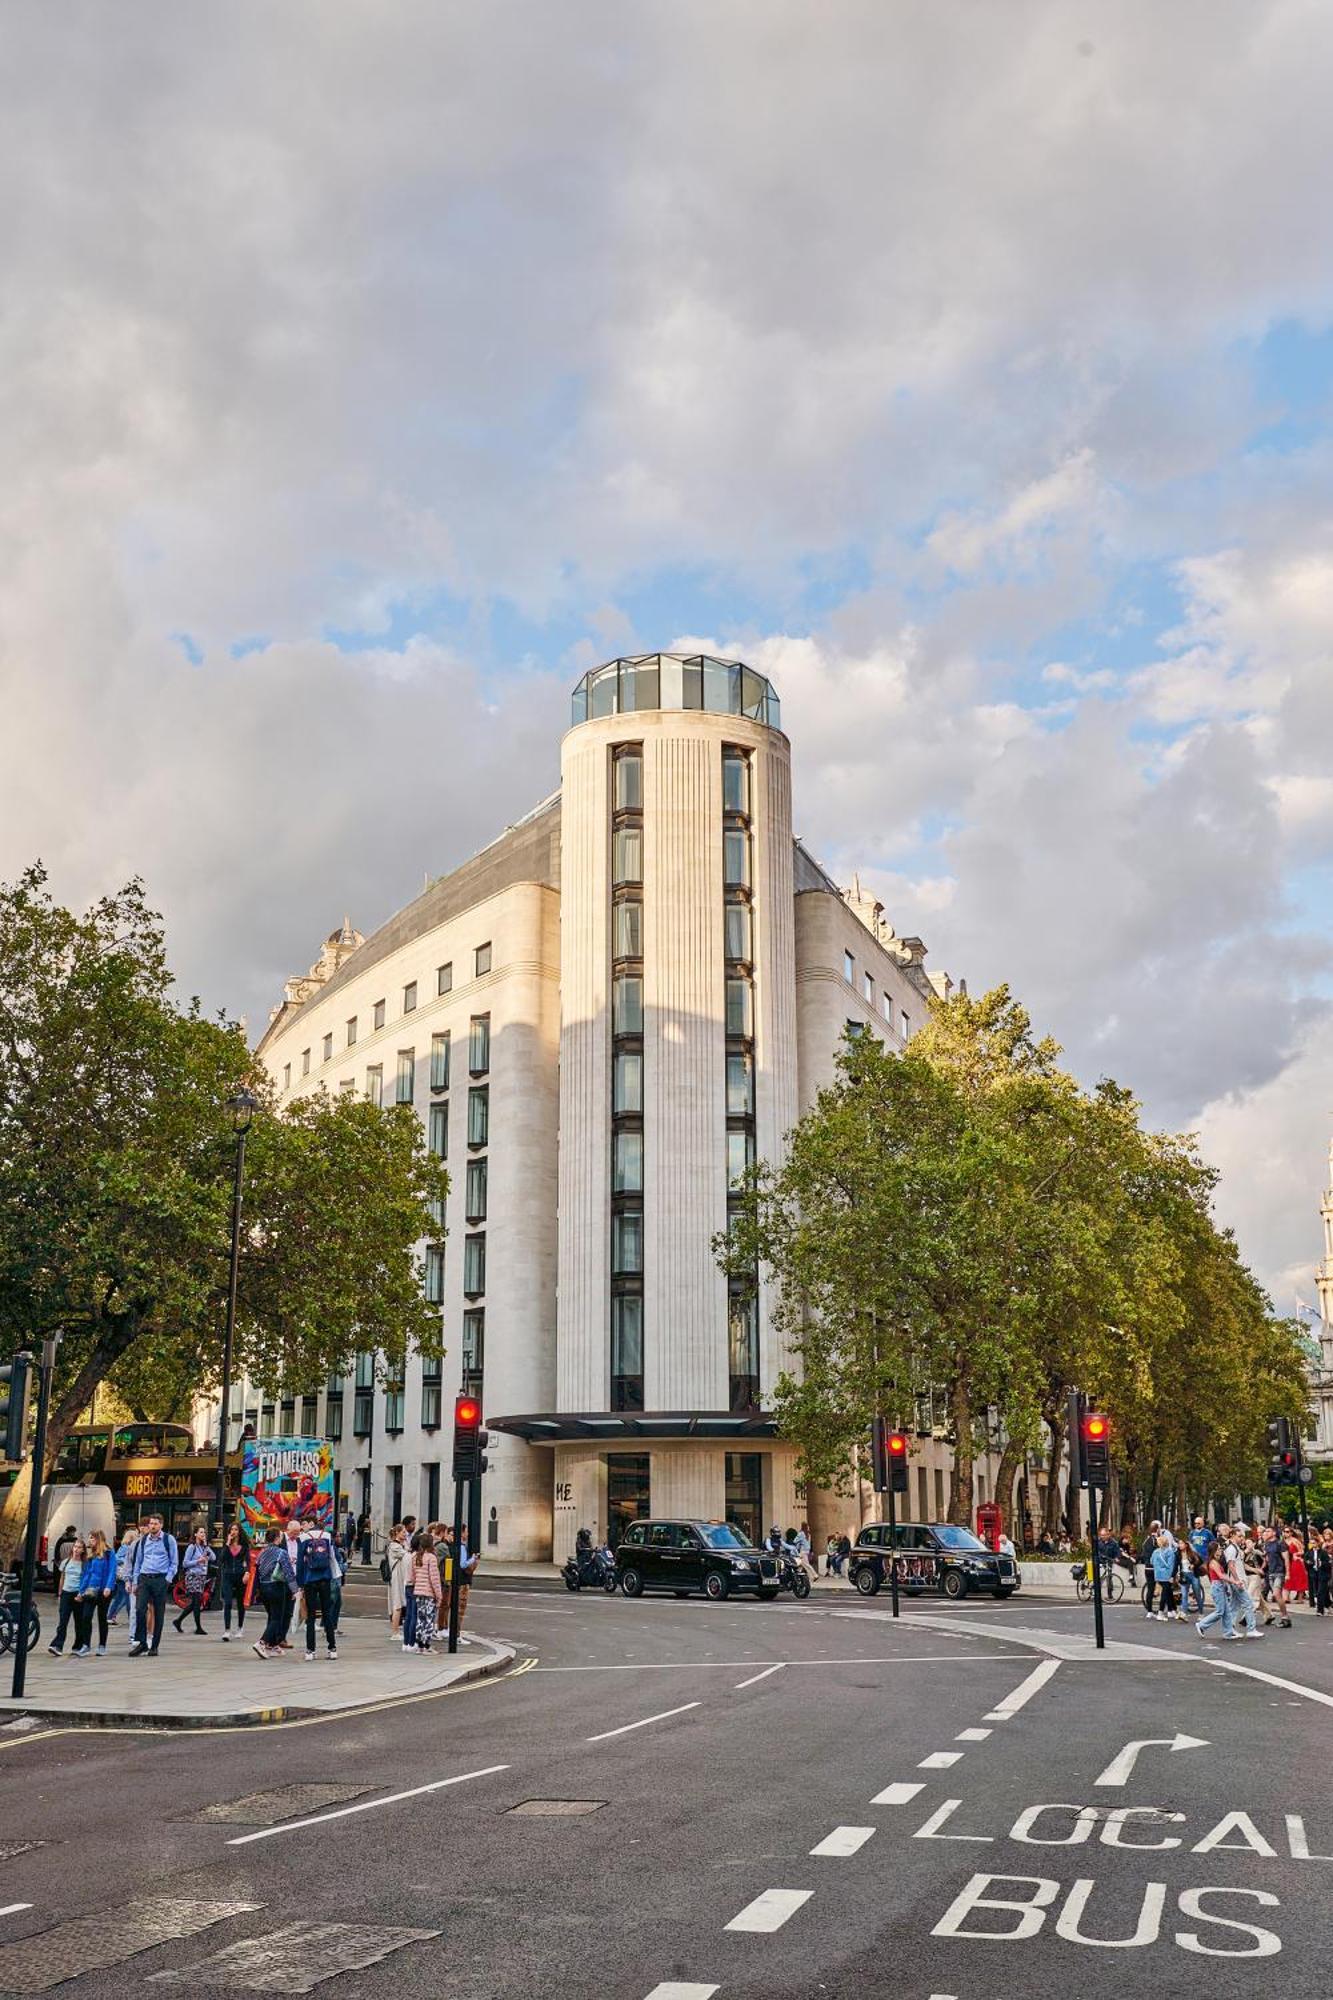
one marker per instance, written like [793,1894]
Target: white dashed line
[844,1840]
[688,1989]
[770,1911]
[1024,1692]
[897,1795]
[761,1677]
[12,1909]
[972,1736]
[939,1760]
[625,1727]
[365,1805]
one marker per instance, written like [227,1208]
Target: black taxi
[685,1556]
[932,1555]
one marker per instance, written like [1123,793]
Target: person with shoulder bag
[275,1581]
[395,1565]
[427,1591]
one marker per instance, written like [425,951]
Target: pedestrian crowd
[422,1568]
[1251,1576]
[296,1576]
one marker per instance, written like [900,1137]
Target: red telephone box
[990,1523]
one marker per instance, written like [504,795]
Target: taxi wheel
[716,1586]
[632,1583]
[769,1596]
[954,1584]
[867,1581]
[1005,1590]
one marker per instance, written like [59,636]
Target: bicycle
[1113,1585]
[9,1617]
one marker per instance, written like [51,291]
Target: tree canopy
[962,1220]
[116,1165]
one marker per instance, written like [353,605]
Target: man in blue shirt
[156,1560]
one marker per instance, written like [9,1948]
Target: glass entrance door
[626,1492]
[745,1493]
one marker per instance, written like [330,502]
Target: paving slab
[202,1683]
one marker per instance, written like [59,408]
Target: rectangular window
[309,1416]
[333,1420]
[347,1087]
[905,1025]
[410,996]
[854,1028]
[481,960]
[328,1048]
[437,1213]
[627,1081]
[363,1413]
[439,1062]
[430,1406]
[740,1007]
[393,1409]
[365,1371]
[334,1385]
[628,924]
[478,1115]
[474,1348]
[627,1004]
[476,1190]
[886,1002]
[305,1062]
[626,1351]
[735,781]
[479,1044]
[627,855]
[736,858]
[849,968]
[351,1031]
[740,1086]
[286,1076]
[432,1283]
[627,1242]
[868,987]
[375,1085]
[474,1266]
[627,1163]
[629,781]
[743,1350]
[740,1156]
[738,932]
[444,978]
[407,1073]
[378,1016]
[267,1421]
[437,1130]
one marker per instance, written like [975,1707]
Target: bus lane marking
[844,1841]
[1121,1768]
[1042,1894]
[770,1911]
[1005,1710]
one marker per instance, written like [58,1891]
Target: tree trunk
[1053,1505]
[1182,1520]
[960,1485]
[1011,1459]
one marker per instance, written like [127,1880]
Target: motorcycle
[591,1569]
[792,1576]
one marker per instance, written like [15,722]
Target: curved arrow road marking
[1119,1769]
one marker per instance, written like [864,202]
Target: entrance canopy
[561,1426]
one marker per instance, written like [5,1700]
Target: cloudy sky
[368,370]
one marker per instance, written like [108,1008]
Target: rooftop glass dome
[676,680]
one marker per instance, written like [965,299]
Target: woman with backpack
[195,1564]
[275,1580]
[1165,1564]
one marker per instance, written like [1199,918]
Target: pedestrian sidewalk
[203,1684]
[1051,1580]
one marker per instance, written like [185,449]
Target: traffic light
[1077,1412]
[888,1458]
[1095,1440]
[896,1446]
[17,1375]
[1283,1455]
[1279,1436]
[470,1439]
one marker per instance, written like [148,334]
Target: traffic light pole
[456,1585]
[1099,1624]
[1305,1521]
[34,1516]
[893,1546]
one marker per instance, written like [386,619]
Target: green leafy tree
[116,1155]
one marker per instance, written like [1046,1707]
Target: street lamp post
[242,1105]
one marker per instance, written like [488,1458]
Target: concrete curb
[249,1718]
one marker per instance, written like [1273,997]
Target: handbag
[384,1569]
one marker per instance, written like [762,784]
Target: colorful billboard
[286,1479]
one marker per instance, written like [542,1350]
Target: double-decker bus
[150,1469]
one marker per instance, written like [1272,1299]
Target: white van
[67,1511]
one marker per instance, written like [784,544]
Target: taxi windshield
[720,1536]
[958,1538]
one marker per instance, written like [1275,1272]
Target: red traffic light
[897,1444]
[1095,1427]
[466,1411]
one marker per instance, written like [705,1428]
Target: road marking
[770,1911]
[761,1677]
[12,1909]
[897,1795]
[1120,1769]
[939,1760]
[365,1805]
[863,1660]
[844,1840]
[1276,1680]
[683,1989]
[625,1727]
[1024,1692]
[972,1736]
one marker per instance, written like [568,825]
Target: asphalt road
[787,1800]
